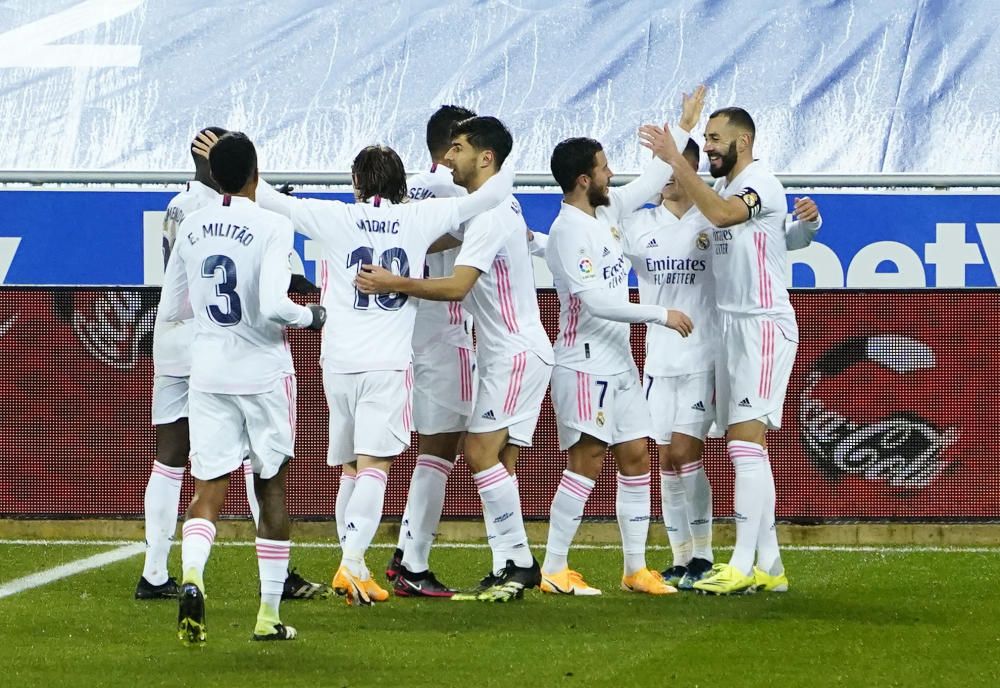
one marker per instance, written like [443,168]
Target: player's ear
[487,158]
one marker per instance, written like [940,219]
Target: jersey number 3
[224,267]
[393,260]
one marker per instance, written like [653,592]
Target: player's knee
[172,444]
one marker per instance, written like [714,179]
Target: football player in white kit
[230,272]
[366,373]
[596,390]
[444,383]
[759,336]
[172,366]
[494,274]
[669,247]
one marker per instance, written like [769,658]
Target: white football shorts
[226,427]
[753,370]
[611,408]
[370,414]
[683,404]
[170,399]
[510,395]
[444,388]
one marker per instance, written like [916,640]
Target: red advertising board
[891,413]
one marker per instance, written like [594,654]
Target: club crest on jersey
[616,234]
[586,268]
[703,242]
[600,419]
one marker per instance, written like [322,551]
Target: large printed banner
[891,412]
[868,240]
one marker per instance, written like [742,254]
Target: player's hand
[680,322]
[203,143]
[319,316]
[374,279]
[660,142]
[691,107]
[805,209]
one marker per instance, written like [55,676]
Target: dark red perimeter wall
[865,442]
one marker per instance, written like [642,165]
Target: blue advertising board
[900,240]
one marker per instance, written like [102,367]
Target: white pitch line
[71,569]
[886,549]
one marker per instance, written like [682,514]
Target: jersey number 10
[393,259]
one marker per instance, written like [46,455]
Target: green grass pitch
[882,618]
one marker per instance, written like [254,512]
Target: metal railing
[796,181]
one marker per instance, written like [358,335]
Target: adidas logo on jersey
[489,415]
[698,406]
[607,252]
[745,403]
[652,244]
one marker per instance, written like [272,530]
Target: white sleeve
[483,241]
[175,301]
[603,304]
[311,217]
[572,257]
[275,275]
[446,214]
[654,177]
[799,233]
[539,241]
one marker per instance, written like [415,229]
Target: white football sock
[424,504]
[632,509]
[163,496]
[196,545]
[675,516]
[699,507]
[564,519]
[750,487]
[272,564]
[363,515]
[502,506]
[251,492]
[768,552]
[343,498]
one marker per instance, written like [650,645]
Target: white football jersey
[439,322]
[368,332]
[230,271]
[672,259]
[172,340]
[750,259]
[503,300]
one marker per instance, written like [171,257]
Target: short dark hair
[571,158]
[439,128]
[233,161]
[218,131]
[692,152]
[486,133]
[378,171]
[739,118]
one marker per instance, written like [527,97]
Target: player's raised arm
[275,276]
[175,303]
[801,231]
[660,141]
